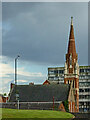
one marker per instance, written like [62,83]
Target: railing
[32,105]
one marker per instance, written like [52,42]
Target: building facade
[3,99]
[71,71]
[56,74]
[75,75]
[84,88]
[44,97]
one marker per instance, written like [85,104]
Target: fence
[31,105]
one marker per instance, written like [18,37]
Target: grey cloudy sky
[40,31]
[45,0]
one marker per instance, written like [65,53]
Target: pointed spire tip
[71,20]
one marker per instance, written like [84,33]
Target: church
[70,73]
[52,91]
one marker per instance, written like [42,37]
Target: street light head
[18,56]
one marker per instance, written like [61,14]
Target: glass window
[56,78]
[81,70]
[51,78]
[53,72]
[61,71]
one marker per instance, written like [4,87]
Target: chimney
[31,83]
[12,85]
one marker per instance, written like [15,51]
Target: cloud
[45,0]
[29,74]
[23,76]
[40,31]
[5,81]
[7,70]
[23,81]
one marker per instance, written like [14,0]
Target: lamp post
[17,99]
[53,102]
[16,69]
[16,76]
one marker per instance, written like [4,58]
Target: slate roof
[41,93]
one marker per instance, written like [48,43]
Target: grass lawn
[14,113]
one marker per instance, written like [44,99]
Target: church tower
[71,72]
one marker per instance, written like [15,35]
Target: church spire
[71,73]
[71,45]
[71,20]
[71,30]
[71,56]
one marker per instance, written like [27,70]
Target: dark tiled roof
[41,93]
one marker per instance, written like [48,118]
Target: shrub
[65,103]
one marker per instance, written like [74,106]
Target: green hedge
[65,103]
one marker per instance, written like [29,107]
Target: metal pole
[53,102]
[15,78]
[15,71]
[16,74]
[18,104]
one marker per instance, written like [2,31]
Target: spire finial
[71,30]
[71,20]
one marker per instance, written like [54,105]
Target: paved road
[81,116]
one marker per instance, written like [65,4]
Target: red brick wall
[0,99]
[76,93]
[12,85]
[61,107]
[46,82]
[71,106]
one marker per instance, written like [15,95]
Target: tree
[5,94]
